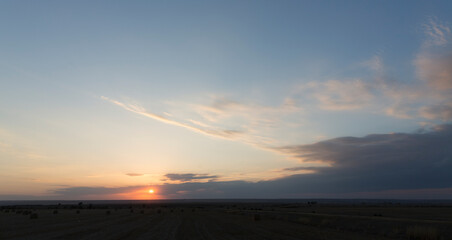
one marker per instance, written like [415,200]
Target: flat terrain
[226,221]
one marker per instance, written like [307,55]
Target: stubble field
[226,221]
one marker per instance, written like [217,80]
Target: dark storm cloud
[188,177]
[382,161]
[378,162]
[380,165]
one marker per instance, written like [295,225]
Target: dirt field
[225,221]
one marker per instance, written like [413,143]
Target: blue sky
[115,97]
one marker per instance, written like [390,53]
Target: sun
[151,191]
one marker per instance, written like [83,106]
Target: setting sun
[151,190]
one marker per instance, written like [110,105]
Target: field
[226,220]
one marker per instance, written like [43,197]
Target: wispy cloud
[222,133]
[437,33]
[375,63]
[222,108]
[224,118]
[339,95]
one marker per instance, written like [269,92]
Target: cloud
[435,70]
[339,95]
[384,161]
[433,64]
[188,177]
[259,123]
[441,111]
[399,111]
[302,168]
[75,193]
[134,174]
[437,33]
[375,64]
[221,133]
[427,98]
[18,197]
[431,96]
[374,147]
[224,118]
[223,110]
[374,163]
[402,165]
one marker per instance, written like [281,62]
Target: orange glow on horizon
[140,194]
[144,194]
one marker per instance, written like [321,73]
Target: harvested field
[224,221]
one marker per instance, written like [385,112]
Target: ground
[226,221]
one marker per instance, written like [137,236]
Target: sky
[225,99]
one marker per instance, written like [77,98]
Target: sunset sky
[225,99]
